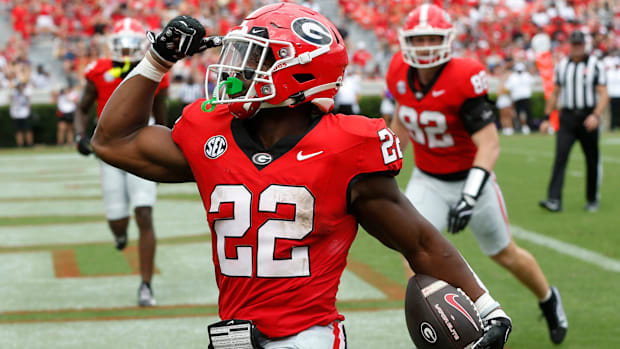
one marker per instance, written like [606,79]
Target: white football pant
[123,190]
[489,222]
[316,337]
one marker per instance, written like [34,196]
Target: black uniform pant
[346,109]
[524,106]
[571,129]
[615,112]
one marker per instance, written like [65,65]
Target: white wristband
[498,312]
[476,178]
[149,68]
[486,305]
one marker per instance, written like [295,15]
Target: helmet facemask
[436,54]
[244,71]
[127,46]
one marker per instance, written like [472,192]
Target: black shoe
[120,242]
[553,311]
[552,205]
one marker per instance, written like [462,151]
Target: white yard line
[532,152]
[568,249]
[574,173]
[44,157]
[611,141]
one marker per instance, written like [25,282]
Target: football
[439,315]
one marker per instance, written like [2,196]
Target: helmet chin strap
[307,93]
[245,110]
[304,58]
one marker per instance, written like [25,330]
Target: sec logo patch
[215,147]
[401,87]
[108,77]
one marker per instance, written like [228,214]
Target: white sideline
[567,249]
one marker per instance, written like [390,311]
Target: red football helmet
[127,41]
[281,55]
[427,20]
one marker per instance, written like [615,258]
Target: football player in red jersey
[443,110]
[285,183]
[121,189]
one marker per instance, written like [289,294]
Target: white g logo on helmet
[312,31]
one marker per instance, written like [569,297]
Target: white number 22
[390,151]
[267,234]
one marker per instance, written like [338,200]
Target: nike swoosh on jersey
[438,93]
[302,157]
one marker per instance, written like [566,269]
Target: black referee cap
[577,37]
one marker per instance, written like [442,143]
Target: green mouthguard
[233,86]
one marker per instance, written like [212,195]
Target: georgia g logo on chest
[215,147]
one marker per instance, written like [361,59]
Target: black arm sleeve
[476,113]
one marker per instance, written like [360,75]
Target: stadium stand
[63,36]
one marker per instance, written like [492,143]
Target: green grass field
[62,285]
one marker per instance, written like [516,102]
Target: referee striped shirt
[578,81]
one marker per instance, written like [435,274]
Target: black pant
[346,109]
[615,112]
[571,128]
[524,106]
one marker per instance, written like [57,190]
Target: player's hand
[591,122]
[83,145]
[544,127]
[496,331]
[460,213]
[183,36]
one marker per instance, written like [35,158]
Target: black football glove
[183,36]
[460,213]
[496,331]
[83,145]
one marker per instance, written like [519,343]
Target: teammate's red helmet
[127,40]
[281,55]
[427,19]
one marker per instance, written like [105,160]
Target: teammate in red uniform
[120,188]
[443,110]
[284,182]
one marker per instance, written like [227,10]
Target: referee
[580,82]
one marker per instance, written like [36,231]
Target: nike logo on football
[449,298]
[438,93]
[302,157]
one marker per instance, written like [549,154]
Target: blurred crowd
[493,31]
[78,28]
[497,32]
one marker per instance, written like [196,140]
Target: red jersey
[98,72]
[441,143]
[279,220]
